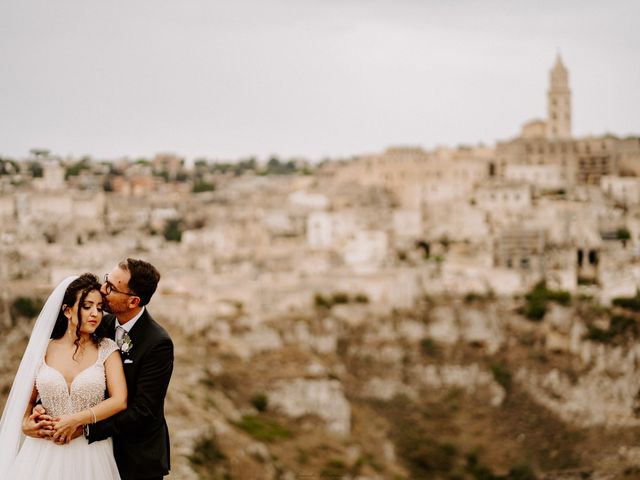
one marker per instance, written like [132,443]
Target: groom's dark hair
[144,278]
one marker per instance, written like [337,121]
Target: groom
[140,434]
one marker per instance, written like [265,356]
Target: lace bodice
[86,390]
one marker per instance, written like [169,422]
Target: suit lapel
[137,336]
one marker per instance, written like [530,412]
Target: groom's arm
[152,386]
[36,423]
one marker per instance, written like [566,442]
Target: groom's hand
[38,424]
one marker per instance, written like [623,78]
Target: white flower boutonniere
[127,344]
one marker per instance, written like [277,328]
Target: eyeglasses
[110,287]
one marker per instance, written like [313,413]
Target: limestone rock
[323,398]
[469,378]
[443,327]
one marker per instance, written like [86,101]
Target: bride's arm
[117,401]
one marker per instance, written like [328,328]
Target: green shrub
[260,402]
[208,460]
[75,169]
[521,472]
[203,186]
[535,309]
[206,452]
[472,297]
[320,301]
[428,347]
[633,471]
[334,469]
[618,326]
[430,457]
[25,307]
[482,472]
[361,298]
[368,459]
[621,324]
[536,300]
[629,303]
[559,296]
[623,234]
[339,297]
[501,375]
[262,429]
[173,231]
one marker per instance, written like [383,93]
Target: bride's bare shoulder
[54,344]
[53,349]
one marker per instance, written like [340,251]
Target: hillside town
[314,307]
[390,226]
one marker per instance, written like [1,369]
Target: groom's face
[115,291]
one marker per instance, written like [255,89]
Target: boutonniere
[127,344]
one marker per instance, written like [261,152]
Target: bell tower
[559,102]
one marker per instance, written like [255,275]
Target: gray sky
[310,78]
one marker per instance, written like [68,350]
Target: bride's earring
[68,323]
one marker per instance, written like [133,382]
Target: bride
[67,365]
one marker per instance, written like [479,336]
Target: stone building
[623,190]
[559,102]
[52,176]
[419,178]
[501,196]
[520,248]
[550,142]
[544,178]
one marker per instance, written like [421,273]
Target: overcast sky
[311,78]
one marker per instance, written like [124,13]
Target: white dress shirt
[129,325]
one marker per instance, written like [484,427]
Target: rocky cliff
[452,388]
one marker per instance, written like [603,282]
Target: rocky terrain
[468,387]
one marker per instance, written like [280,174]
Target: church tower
[559,102]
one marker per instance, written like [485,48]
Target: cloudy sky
[311,78]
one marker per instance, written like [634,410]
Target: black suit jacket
[140,433]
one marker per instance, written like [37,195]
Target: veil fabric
[11,424]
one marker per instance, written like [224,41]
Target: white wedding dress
[40,459]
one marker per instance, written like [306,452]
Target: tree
[36,169]
[203,186]
[173,230]
[40,152]
[623,235]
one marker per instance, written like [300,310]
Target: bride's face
[90,313]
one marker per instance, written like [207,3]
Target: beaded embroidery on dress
[77,460]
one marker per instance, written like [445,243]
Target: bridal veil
[23,383]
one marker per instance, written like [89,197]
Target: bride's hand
[79,431]
[65,428]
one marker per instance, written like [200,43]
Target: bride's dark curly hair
[83,285]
